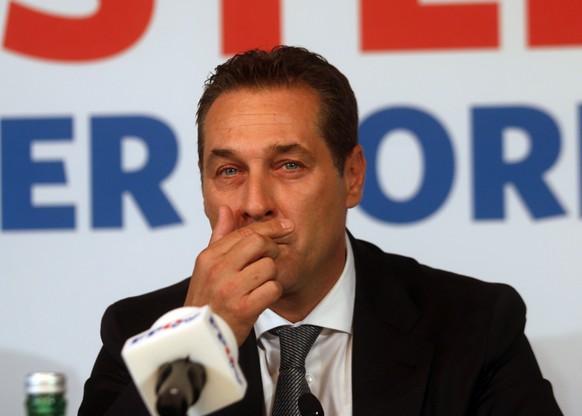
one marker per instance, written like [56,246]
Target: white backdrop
[58,275]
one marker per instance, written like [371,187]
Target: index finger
[272,229]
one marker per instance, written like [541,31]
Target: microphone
[187,363]
[179,385]
[309,405]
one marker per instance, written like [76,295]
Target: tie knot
[296,341]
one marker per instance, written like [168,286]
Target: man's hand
[236,274]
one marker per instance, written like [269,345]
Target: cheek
[213,200]
[210,204]
[322,207]
[210,213]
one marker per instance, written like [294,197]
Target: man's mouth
[282,240]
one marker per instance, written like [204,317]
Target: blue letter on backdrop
[492,173]
[439,165]
[110,181]
[20,173]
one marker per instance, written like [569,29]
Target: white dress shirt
[329,362]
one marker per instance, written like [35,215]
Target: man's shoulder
[420,280]
[438,303]
[137,313]
[166,296]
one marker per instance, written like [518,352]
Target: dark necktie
[291,384]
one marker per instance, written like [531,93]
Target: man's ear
[354,176]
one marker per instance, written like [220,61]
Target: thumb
[224,225]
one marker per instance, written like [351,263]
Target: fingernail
[286,224]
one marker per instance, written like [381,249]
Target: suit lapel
[390,367]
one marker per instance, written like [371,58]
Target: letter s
[114,27]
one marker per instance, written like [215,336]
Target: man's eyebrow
[221,153]
[278,149]
[275,149]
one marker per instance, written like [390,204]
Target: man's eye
[291,165]
[228,171]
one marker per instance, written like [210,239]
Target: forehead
[246,116]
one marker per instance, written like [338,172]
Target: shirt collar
[335,311]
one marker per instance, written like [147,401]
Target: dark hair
[287,66]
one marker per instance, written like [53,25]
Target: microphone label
[227,350]
[174,324]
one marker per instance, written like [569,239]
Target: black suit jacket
[425,342]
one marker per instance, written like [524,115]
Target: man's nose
[258,201]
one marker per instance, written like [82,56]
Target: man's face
[265,159]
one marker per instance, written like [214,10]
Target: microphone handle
[179,385]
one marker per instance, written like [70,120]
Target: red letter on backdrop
[389,25]
[113,28]
[248,24]
[555,22]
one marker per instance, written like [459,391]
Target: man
[280,165]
